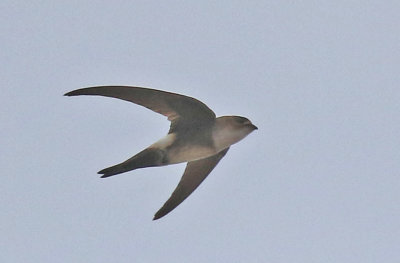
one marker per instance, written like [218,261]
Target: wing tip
[83,91]
[157,216]
[160,213]
[73,93]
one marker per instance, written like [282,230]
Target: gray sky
[318,182]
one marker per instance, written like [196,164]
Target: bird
[196,136]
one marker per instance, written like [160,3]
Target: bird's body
[196,136]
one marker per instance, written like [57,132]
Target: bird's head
[231,129]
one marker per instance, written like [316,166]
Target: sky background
[318,182]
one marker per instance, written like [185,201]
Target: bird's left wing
[184,112]
[195,173]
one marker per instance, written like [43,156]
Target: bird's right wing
[184,112]
[195,173]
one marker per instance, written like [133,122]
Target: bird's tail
[147,158]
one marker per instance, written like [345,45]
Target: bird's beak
[253,126]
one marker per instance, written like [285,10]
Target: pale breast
[179,151]
[189,153]
[164,142]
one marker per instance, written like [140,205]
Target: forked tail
[147,158]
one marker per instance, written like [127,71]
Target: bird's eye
[241,120]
